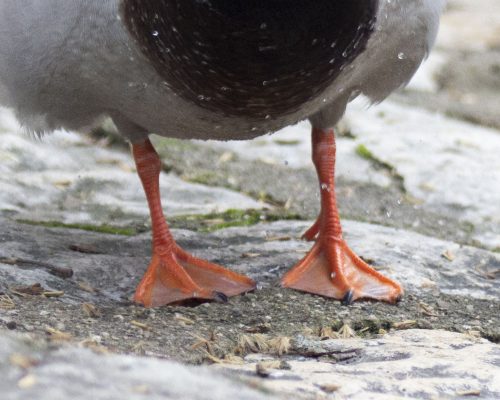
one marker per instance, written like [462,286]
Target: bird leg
[312,233]
[331,268]
[173,274]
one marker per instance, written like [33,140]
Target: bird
[216,69]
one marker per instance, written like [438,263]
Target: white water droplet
[155,33]
[402,56]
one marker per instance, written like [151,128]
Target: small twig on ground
[86,287]
[53,293]
[404,324]
[140,325]
[469,393]
[83,249]
[328,333]
[208,343]
[488,274]
[57,335]
[426,309]
[183,320]
[278,238]
[279,344]
[347,332]
[448,255]
[61,272]
[91,310]
[6,302]
[32,290]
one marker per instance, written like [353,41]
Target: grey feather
[69,63]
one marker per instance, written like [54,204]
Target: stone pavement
[419,190]
[406,364]
[31,370]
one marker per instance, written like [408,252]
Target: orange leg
[173,274]
[331,268]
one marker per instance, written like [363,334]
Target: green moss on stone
[205,178]
[363,152]
[230,218]
[284,142]
[196,222]
[114,230]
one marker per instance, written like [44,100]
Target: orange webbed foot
[332,269]
[174,276]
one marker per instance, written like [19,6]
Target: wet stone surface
[409,364]
[70,178]
[439,293]
[33,369]
[418,186]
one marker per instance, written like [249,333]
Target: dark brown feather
[254,59]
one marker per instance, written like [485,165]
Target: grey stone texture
[419,192]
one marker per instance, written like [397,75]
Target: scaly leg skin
[173,274]
[331,268]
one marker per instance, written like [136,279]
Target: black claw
[220,297]
[347,300]
[398,299]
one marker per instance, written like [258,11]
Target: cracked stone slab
[416,364]
[66,178]
[417,261]
[439,159]
[447,286]
[30,370]
[420,263]
[291,147]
